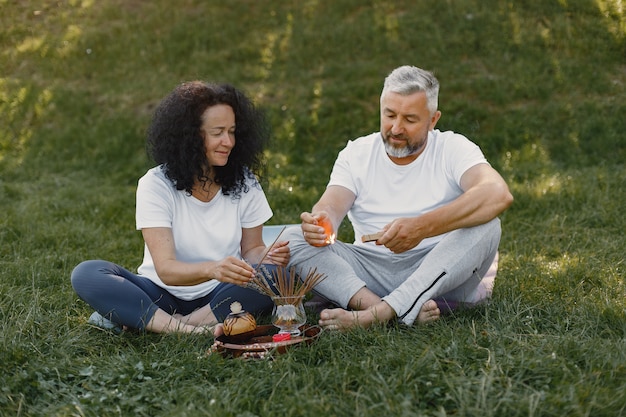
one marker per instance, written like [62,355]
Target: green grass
[539,85]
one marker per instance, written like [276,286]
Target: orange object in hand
[328,231]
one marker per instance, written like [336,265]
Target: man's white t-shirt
[386,191]
[202,231]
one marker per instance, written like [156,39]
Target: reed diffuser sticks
[283,283]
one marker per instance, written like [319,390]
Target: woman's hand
[279,254]
[232,270]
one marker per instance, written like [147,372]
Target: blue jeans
[131,300]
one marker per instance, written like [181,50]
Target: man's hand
[402,235]
[317,228]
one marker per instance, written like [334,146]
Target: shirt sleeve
[154,204]
[341,173]
[461,155]
[256,210]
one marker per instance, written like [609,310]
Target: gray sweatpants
[451,270]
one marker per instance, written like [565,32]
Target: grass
[539,85]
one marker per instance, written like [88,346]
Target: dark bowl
[258,344]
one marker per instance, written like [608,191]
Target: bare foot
[429,312]
[218,330]
[340,319]
[162,322]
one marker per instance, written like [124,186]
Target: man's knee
[488,232]
[293,233]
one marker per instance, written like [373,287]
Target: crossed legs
[135,302]
[369,309]
[374,286]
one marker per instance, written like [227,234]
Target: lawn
[539,85]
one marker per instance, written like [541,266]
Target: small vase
[238,321]
[288,314]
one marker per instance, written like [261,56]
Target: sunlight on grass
[529,161]
[70,40]
[33,44]
[614,12]
[276,44]
[516,24]
[316,103]
[551,184]
[561,265]
[21,110]
[387,19]
[268,56]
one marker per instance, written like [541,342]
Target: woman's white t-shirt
[386,191]
[202,231]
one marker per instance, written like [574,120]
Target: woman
[201,212]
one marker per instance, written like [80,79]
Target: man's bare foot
[428,313]
[340,319]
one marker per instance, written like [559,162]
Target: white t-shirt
[202,231]
[386,191]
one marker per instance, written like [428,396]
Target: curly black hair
[175,139]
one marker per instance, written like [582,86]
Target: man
[431,196]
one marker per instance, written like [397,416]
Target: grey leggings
[131,300]
[451,270]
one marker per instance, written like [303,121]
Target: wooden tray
[259,344]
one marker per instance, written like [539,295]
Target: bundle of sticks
[283,283]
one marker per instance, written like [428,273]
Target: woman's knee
[86,271]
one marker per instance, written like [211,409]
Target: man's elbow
[506,198]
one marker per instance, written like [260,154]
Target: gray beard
[405,151]
[400,152]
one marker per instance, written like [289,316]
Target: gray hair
[407,80]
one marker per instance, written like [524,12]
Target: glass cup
[288,314]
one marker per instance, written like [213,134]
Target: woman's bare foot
[429,312]
[162,322]
[201,317]
[218,330]
[215,330]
